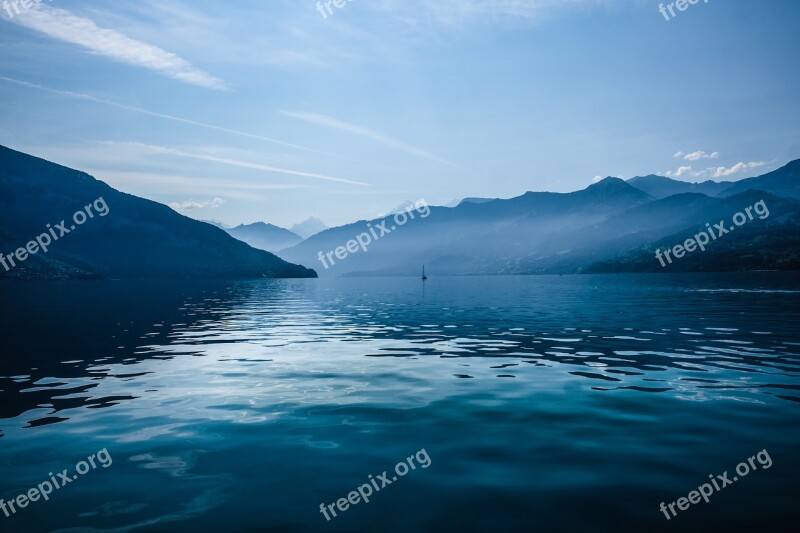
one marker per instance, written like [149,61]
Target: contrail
[242,164]
[330,122]
[90,98]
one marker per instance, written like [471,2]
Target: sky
[277,110]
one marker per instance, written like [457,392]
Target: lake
[546,403]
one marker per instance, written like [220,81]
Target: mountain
[475,200]
[265,236]
[307,228]
[217,223]
[125,236]
[610,226]
[495,237]
[661,187]
[783,182]
[472,200]
[771,242]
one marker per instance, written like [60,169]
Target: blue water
[575,403]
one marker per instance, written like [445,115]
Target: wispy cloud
[723,172]
[242,164]
[90,98]
[66,26]
[456,13]
[696,155]
[189,205]
[334,123]
[165,183]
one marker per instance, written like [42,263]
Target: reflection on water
[567,402]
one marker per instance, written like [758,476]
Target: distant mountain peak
[310,226]
[217,223]
[649,177]
[609,181]
[400,208]
[261,225]
[265,236]
[614,186]
[475,200]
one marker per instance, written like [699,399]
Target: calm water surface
[575,403]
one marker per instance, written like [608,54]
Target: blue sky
[265,110]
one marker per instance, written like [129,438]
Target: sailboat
[424,277]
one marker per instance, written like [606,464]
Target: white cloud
[700,154]
[188,205]
[65,26]
[596,179]
[696,155]
[330,122]
[678,173]
[722,172]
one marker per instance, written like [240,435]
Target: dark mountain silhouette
[499,236]
[609,226]
[661,187]
[137,238]
[265,236]
[771,243]
[783,182]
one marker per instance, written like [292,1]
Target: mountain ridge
[536,232]
[139,239]
[608,226]
[265,236]
[662,187]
